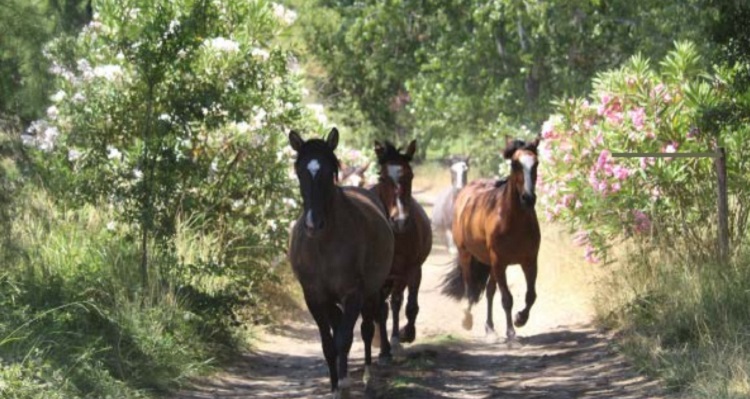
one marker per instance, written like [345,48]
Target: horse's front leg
[343,337]
[321,312]
[382,333]
[529,271]
[464,262]
[409,332]
[489,327]
[498,272]
[449,242]
[397,299]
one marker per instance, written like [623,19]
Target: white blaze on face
[527,161]
[313,166]
[309,220]
[458,168]
[394,172]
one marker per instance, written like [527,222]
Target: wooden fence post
[723,205]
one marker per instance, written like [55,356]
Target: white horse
[442,211]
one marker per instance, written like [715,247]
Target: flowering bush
[637,109]
[170,108]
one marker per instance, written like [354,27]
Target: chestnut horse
[354,176]
[412,233]
[495,225]
[341,249]
[442,210]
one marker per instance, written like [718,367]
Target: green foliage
[444,70]
[177,108]
[25,27]
[74,321]
[685,324]
[669,202]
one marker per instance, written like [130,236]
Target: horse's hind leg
[369,313]
[409,332]
[529,271]
[489,327]
[397,299]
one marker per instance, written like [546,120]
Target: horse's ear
[333,139]
[295,140]
[411,149]
[510,149]
[379,150]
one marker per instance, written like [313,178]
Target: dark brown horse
[341,249]
[412,231]
[495,225]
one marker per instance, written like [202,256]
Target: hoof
[490,335]
[521,319]
[385,359]
[367,376]
[396,346]
[511,335]
[468,321]
[408,334]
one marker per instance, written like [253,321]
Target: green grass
[75,320]
[688,324]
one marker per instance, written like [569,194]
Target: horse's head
[317,170]
[394,182]
[523,163]
[459,171]
[355,176]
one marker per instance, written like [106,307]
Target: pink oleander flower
[581,238]
[548,130]
[567,158]
[590,255]
[605,98]
[567,199]
[621,172]
[598,140]
[602,187]
[616,186]
[604,158]
[593,180]
[642,222]
[670,148]
[577,205]
[637,116]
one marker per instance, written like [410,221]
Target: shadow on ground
[568,363]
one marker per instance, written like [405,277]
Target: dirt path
[560,354]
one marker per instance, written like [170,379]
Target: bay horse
[442,210]
[412,234]
[495,225]
[340,249]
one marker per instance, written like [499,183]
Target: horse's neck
[511,196]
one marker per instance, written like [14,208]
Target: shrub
[667,201]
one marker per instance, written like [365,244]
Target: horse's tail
[453,281]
